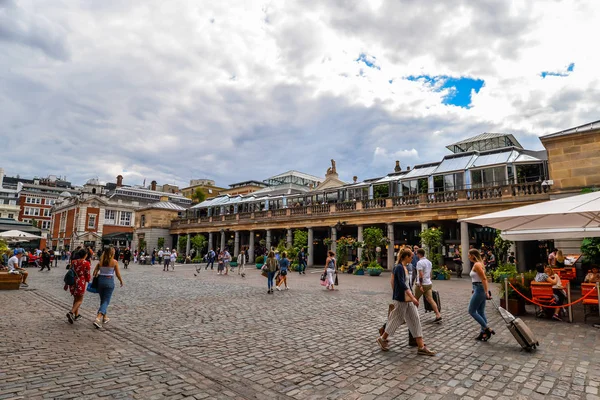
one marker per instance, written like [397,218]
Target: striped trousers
[404,313]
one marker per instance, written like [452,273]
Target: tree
[199,242]
[372,238]
[198,196]
[34,223]
[181,244]
[381,191]
[161,243]
[141,244]
[590,248]
[432,239]
[501,247]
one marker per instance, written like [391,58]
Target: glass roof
[420,172]
[454,164]
[495,158]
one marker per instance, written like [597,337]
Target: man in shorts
[424,285]
[13,267]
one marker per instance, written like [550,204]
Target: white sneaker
[278,289]
[287,287]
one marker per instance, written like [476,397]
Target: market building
[486,173]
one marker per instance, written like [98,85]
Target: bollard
[569,301]
[506,292]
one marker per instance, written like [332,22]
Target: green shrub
[505,271]
[374,265]
[260,260]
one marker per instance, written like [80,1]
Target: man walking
[126,257]
[241,260]
[412,267]
[45,260]
[173,259]
[302,261]
[424,284]
[166,260]
[210,259]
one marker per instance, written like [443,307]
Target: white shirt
[13,263]
[425,265]
[173,256]
[161,253]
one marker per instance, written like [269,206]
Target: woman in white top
[241,262]
[480,295]
[106,270]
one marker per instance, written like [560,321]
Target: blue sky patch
[369,61]
[459,89]
[566,72]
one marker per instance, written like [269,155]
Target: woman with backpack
[284,265]
[106,270]
[81,268]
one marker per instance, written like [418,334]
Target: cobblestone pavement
[173,335]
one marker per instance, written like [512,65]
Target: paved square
[173,335]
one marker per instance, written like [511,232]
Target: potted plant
[360,269]
[440,273]
[374,269]
[327,242]
[516,303]
[508,271]
[260,260]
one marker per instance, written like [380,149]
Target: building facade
[487,173]
[153,223]
[207,186]
[244,188]
[9,199]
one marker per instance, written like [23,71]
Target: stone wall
[574,160]
[151,236]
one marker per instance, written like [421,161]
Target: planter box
[259,266]
[515,306]
[374,272]
[359,272]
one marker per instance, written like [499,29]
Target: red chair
[541,292]
[591,301]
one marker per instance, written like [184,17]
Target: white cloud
[245,89]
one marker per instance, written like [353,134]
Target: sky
[243,90]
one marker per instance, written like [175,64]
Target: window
[91,220]
[125,219]
[33,200]
[31,211]
[12,202]
[110,217]
[45,224]
[143,221]
[495,176]
[11,216]
[63,221]
[50,202]
[47,212]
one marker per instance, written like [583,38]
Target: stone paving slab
[173,335]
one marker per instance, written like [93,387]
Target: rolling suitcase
[436,298]
[519,329]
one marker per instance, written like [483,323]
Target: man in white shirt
[173,258]
[13,267]
[424,285]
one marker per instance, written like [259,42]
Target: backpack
[70,277]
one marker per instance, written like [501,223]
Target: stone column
[289,238]
[251,248]
[464,246]
[360,239]
[210,241]
[222,240]
[188,245]
[268,240]
[333,240]
[310,248]
[390,249]
[236,245]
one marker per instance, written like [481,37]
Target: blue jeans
[302,266]
[106,285]
[270,277]
[477,305]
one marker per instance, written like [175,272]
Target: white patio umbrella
[18,236]
[571,217]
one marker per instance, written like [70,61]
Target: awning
[118,236]
[573,217]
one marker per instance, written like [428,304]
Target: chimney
[355,179]
[397,167]
[119,180]
[153,183]
[407,168]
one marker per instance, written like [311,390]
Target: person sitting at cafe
[560,259]
[592,276]
[549,276]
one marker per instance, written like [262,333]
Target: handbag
[265,273]
[94,283]
[323,276]
[336,281]
[91,289]
[324,283]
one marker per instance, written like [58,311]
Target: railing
[279,213]
[442,197]
[299,210]
[261,214]
[374,203]
[528,189]
[409,200]
[346,206]
[484,193]
[414,201]
[320,209]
